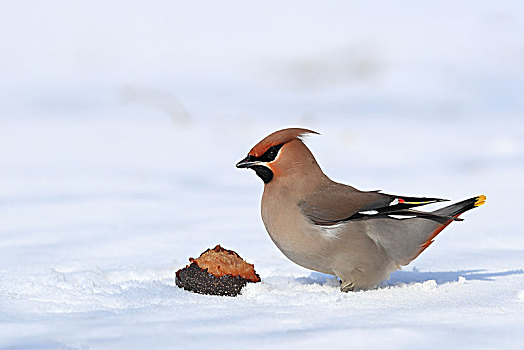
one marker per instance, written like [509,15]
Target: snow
[121,124]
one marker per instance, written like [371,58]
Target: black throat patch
[263,172]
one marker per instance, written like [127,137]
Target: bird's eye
[270,154]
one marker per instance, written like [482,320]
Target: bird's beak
[246,163]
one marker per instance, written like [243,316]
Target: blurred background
[121,123]
[130,115]
[302,61]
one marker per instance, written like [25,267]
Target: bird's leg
[347,286]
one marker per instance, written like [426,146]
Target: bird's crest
[279,137]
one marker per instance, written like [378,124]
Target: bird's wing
[336,202]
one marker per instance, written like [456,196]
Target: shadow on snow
[446,276]
[416,276]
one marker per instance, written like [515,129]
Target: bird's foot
[347,286]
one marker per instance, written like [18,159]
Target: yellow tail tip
[480,200]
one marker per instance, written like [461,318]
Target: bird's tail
[456,209]
[405,239]
[453,210]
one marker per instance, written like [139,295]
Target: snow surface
[122,121]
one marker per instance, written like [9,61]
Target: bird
[359,236]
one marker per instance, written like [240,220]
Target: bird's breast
[298,238]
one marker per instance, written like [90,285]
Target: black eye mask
[268,156]
[262,171]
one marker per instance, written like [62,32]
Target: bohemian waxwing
[326,226]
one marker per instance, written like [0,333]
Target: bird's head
[280,154]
